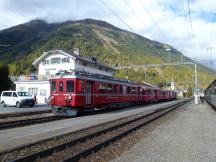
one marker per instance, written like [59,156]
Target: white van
[18,99]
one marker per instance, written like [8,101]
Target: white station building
[51,62]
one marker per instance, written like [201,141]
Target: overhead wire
[115,14]
[167,19]
[186,20]
[155,23]
[192,31]
[136,15]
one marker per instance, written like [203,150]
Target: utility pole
[196,86]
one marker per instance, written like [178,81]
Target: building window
[65,59]
[43,92]
[45,62]
[56,60]
[33,91]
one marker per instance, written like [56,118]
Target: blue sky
[166,21]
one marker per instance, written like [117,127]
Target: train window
[101,88]
[53,86]
[70,86]
[82,86]
[61,86]
[128,90]
[116,88]
[133,90]
[121,89]
[109,88]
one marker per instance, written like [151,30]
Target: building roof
[71,55]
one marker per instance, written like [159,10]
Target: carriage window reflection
[70,86]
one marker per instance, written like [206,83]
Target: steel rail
[25,122]
[19,114]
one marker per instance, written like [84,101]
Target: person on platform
[202,98]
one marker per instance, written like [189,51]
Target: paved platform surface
[189,137]
[13,109]
[12,138]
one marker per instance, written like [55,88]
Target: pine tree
[5,82]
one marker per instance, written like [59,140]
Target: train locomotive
[74,91]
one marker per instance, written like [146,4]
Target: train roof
[63,73]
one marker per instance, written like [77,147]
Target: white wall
[40,88]
[54,68]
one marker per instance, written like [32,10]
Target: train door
[88,93]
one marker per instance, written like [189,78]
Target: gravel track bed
[117,148]
[22,114]
[59,140]
[25,117]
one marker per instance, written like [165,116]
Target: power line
[135,13]
[211,28]
[186,21]
[154,21]
[191,27]
[113,12]
[167,18]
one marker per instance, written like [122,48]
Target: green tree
[5,82]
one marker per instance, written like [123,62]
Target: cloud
[161,20]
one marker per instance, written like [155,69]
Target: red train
[75,91]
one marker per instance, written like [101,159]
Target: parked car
[16,98]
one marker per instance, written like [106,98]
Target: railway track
[30,121]
[10,115]
[86,144]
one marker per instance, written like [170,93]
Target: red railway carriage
[74,91]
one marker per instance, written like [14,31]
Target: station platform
[188,136]
[13,109]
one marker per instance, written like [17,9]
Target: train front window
[70,86]
[61,86]
[53,86]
